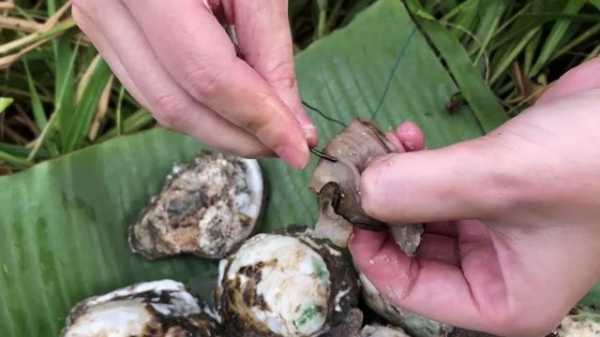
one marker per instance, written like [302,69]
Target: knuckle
[283,75]
[512,324]
[82,9]
[203,79]
[368,191]
[169,110]
[253,152]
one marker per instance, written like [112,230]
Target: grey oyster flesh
[337,185]
[416,325]
[159,309]
[290,286]
[206,207]
[382,331]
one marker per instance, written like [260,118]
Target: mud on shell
[206,207]
[159,309]
[287,285]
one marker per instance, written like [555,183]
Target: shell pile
[287,284]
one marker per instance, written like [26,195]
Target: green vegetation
[58,96]
[63,223]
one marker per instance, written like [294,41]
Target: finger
[265,41]
[431,288]
[438,247]
[87,25]
[407,137]
[169,103]
[398,146]
[445,228]
[581,78]
[198,54]
[456,182]
[411,136]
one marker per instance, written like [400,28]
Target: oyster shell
[207,207]
[382,331]
[581,322]
[337,185]
[161,309]
[416,325]
[288,286]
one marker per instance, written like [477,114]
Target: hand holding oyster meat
[512,235]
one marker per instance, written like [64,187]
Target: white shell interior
[251,203]
[382,331]
[118,314]
[570,327]
[112,319]
[294,282]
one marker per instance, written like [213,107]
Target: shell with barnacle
[206,207]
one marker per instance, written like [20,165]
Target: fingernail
[296,157]
[310,133]
[309,129]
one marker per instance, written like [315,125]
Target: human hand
[176,59]
[512,235]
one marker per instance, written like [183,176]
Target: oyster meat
[207,207]
[288,286]
[159,309]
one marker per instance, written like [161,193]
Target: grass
[57,95]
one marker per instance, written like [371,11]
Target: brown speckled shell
[196,325]
[343,277]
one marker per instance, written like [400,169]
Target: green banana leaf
[63,223]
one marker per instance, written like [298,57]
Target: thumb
[462,181]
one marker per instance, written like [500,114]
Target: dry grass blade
[102,110]
[58,29]
[20,25]
[7,5]
[86,77]
[8,60]
[54,19]
[52,27]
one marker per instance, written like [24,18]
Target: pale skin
[513,230]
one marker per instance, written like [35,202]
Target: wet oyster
[160,309]
[382,331]
[416,325]
[337,185]
[288,286]
[581,322]
[206,207]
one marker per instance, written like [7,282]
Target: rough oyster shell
[282,285]
[207,207]
[382,331]
[581,322]
[416,325]
[337,184]
[161,309]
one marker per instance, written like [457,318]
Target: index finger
[266,43]
[197,52]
